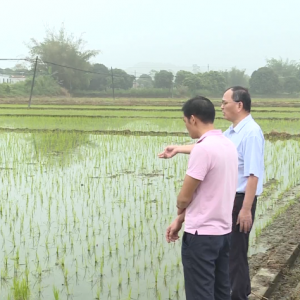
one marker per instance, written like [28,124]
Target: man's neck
[239,119]
[205,129]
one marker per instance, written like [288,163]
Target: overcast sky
[144,34]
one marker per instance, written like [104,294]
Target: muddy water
[87,214]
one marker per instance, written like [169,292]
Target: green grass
[272,108]
[133,124]
[138,107]
[133,118]
[91,112]
[61,101]
[144,112]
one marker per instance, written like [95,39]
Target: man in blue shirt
[248,138]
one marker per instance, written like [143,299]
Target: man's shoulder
[226,132]
[213,142]
[203,148]
[253,129]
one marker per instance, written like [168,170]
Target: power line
[108,74]
[92,72]
[13,59]
[73,68]
[81,70]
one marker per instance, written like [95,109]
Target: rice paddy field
[85,201]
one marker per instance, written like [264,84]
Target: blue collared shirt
[249,141]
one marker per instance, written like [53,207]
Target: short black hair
[200,107]
[241,94]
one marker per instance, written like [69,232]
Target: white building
[4,78]
[11,79]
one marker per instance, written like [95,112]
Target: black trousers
[205,260]
[238,260]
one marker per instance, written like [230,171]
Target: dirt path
[287,287]
[281,235]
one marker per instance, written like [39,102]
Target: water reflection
[58,146]
[88,213]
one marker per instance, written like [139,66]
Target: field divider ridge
[265,280]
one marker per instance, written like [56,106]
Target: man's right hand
[169,152]
[173,229]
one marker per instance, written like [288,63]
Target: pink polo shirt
[214,161]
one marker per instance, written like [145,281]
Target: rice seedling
[56,293]
[20,289]
[91,202]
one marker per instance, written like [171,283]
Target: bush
[44,86]
[179,92]
[131,93]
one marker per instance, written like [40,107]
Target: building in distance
[11,79]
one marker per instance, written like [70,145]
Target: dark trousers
[205,260]
[238,260]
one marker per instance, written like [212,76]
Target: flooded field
[84,215]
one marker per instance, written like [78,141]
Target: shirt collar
[241,124]
[209,133]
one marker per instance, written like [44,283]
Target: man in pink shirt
[205,204]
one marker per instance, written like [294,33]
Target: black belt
[240,194]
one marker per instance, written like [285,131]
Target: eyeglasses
[227,102]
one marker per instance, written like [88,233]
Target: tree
[43,85]
[283,68]
[236,77]
[6,71]
[163,79]
[181,76]
[101,81]
[64,49]
[145,81]
[264,81]
[213,81]
[193,82]
[291,85]
[18,69]
[20,66]
[152,73]
[286,70]
[122,80]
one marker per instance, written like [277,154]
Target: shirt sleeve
[253,155]
[199,163]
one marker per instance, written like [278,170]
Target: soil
[268,136]
[287,287]
[281,235]
[274,135]
[132,101]
[127,117]
[95,101]
[176,108]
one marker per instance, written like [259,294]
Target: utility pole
[207,68]
[112,81]
[32,84]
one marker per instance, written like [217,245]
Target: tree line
[62,56]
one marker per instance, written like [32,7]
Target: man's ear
[241,105]
[192,119]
